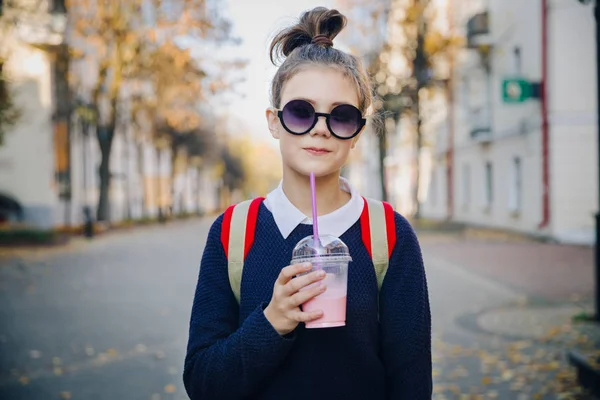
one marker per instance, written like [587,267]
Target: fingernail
[320,273]
[306,265]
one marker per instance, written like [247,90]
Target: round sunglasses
[299,117]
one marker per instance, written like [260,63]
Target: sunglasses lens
[345,120]
[298,116]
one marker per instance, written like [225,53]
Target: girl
[260,349]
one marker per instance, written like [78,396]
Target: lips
[317,150]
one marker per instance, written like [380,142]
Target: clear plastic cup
[332,256]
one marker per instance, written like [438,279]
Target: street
[108,319]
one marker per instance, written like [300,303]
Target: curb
[588,375]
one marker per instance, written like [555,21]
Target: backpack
[378,230]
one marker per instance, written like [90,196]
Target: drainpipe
[544,112]
[450,151]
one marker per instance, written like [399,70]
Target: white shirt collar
[288,217]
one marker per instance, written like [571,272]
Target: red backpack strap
[237,237]
[379,240]
[390,226]
[251,224]
[225,228]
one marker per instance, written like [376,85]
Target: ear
[273,122]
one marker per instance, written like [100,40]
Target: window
[489,185]
[516,186]
[466,185]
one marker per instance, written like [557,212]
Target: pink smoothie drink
[333,305]
[332,302]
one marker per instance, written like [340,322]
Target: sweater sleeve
[406,319]
[224,360]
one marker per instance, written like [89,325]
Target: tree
[116,36]
[422,48]
[107,35]
[11,15]
[9,112]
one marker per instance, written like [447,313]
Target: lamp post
[597,243]
[597,252]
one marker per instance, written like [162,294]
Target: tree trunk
[175,197]
[142,176]
[382,140]
[159,186]
[420,72]
[418,162]
[105,136]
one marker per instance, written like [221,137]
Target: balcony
[44,27]
[480,130]
[478,30]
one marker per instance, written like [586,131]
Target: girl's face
[318,150]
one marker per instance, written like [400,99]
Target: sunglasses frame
[361,125]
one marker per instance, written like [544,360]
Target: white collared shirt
[288,217]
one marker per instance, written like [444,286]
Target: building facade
[511,141]
[520,157]
[50,159]
[34,158]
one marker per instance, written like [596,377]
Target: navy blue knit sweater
[234,352]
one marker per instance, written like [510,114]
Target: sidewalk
[548,271]
[536,333]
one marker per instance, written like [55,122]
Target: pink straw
[313,193]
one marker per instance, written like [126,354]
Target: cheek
[344,150]
[287,145]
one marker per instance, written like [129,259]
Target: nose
[321,127]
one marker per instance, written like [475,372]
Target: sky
[256,22]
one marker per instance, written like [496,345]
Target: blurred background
[137,122]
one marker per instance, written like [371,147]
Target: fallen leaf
[65,395]
[170,388]
[23,380]
[112,352]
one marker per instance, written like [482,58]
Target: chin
[319,170]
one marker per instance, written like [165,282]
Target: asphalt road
[108,320]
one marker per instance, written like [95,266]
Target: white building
[48,166]
[29,169]
[511,169]
[497,152]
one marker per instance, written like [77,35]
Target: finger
[306,316]
[291,271]
[298,283]
[303,296]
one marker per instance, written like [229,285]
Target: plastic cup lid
[329,249]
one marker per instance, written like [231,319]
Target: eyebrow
[337,103]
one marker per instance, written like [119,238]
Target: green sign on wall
[516,90]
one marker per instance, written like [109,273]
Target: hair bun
[322,40]
[319,23]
